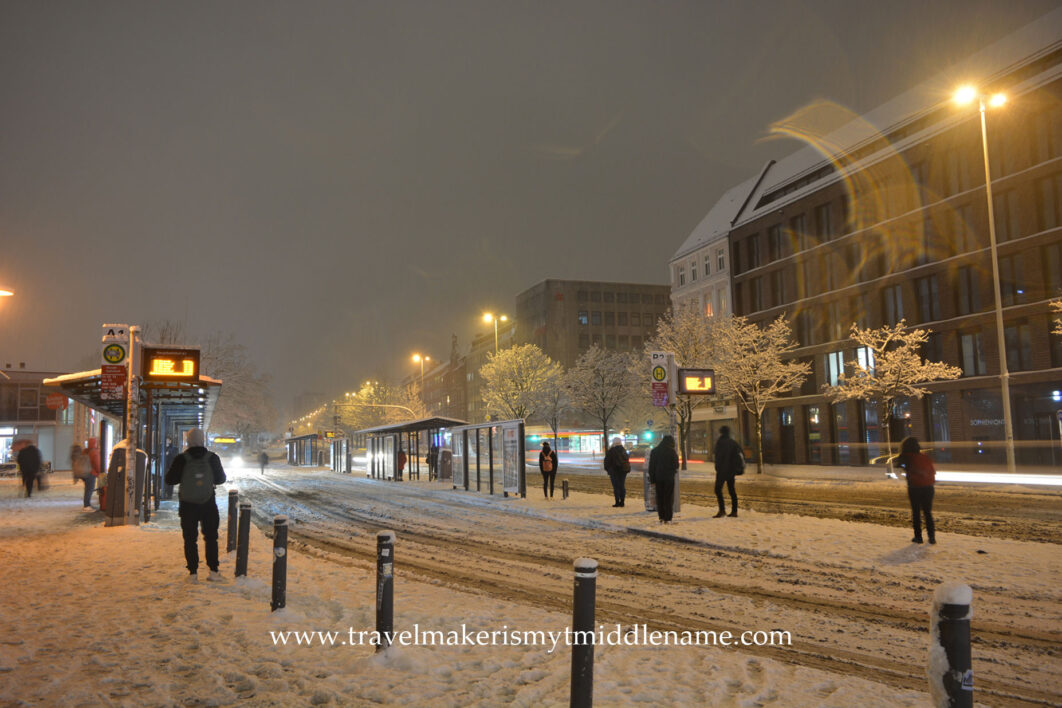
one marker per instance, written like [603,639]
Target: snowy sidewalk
[102,616]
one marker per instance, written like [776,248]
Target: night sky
[340,184]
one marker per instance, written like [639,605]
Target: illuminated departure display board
[170,364]
[696,381]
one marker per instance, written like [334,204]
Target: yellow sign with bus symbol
[696,381]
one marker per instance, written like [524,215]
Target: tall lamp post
[965,96]
[417,358]
[488,318]
[5,293]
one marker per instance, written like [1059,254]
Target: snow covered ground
[102,616]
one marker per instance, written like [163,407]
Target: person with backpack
[921,476]
[547,465]
[729,463]
[197,470]
[618,464]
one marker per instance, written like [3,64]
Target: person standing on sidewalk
[29,464]
[547,465]
[82,467]
[729,462]
[197,470]
[921,476]
[618,464]
[663,466]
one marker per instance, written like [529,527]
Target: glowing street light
[964,96]
[6,293]
[417,358]
[488,318]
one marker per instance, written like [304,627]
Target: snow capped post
[385,588]
[582,695]
[950,675]
[243,538]
[230,540]
[280,562]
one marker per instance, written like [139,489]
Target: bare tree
[376,404]
[244,405]
[600,382]
[755,366]
[895,369]
[555,404]
[688,335]
[516,379]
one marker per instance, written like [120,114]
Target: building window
[960,233]
[720,301]
[708,311]
[956,171]
[1049,198]
[582,296]
[834,367]
[707,264]
[680,275]
[693,270]
[660,299]
[595,318]
[968,293]
[892,304]
[1011,288]
[798,232]
[583,317]
[972,353]
[610,341]
[756,294]
[636,342]
[623,342]
[835,323]
[1007,211]
[1056,349]
[823,228]
[595,339]
[584,341]
[778,289]
[774,242]
[636,319]
[1047,134]
[865,359]
[933,349]
[621,319]
[720,259]
[621,297]
[805,278]
[928,298]
[647,299]
[752,247]
[610,319]
[804,326]
[1053,269]
[1019,346]
[595,296]
[610,297]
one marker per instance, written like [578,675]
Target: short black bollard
[564,489]
[280,562]
[950,672]
[230,541]
[243,538]
[582,695]
[385,588]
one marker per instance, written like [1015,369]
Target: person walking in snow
[921,476]
[663,466]
[617,464]
[170,453]
[29,463]
[729,463]
[197,470]
[547,465]
[263,461]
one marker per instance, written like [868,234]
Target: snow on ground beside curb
[102,616]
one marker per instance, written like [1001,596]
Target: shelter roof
[411,426]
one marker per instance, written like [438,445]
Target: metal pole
[1004,375]
[564,489]
[523,464]
[230,541]
[478,431]
[385,588]
[149,471]
[582,686]
[464,458]
[280,562]
[490,457]
[243,538]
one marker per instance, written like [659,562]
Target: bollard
[230,541]
[243,538]
[564,489]
[950,672]
[385,588]
[280,562]
[582,695]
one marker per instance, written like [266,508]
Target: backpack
[547,463]
[197,480]
[739,467]
[82,466]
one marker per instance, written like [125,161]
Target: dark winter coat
[727,457]
[173,474]
[617,460]
[552,456]
[29,461]
[663,463]
[919,469]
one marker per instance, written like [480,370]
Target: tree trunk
[759,442]
[887,422]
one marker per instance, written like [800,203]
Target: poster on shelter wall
[458,459]
[511,458]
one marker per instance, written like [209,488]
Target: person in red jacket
[920,479]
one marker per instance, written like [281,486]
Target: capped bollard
[564,489]
[385,588]
[243,537]
[582,694]
[950,672]
[230,540]
[280,562]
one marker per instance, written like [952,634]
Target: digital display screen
[170,364]
[696,381]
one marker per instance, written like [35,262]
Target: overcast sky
[340,184]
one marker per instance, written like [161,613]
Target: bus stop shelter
[383,443]
[166,409]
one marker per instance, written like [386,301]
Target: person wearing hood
[663,466]
[617,464]
[921,476]
[547,465]
[197,470]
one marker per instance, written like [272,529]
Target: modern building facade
[26,413]
[887,220]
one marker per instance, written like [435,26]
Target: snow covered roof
[410,426]
[717,223]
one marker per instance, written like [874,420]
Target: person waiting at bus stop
[197,470]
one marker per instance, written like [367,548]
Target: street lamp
[488,318]
[964,96]
[6,293]
[417,358]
